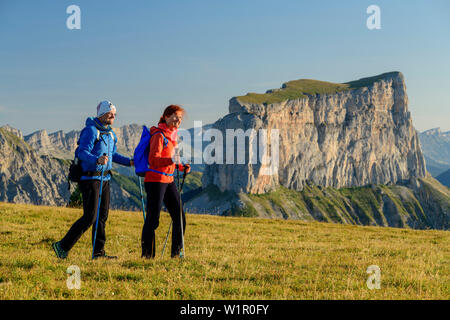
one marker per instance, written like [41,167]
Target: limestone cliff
[333,135]
[348,153]
[26,177]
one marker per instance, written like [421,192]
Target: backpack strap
[165,145]
[160,172]
[164,137]
[113,135]
[96,139]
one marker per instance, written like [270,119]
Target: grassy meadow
[226,258]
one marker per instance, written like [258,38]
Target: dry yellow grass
[226,258]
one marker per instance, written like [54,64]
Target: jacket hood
[91,121]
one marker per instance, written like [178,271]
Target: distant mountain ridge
[34,168]
[26,176]
[444,178]
[434,142]
[436,148]
[62,145]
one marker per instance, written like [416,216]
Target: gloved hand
[182,167]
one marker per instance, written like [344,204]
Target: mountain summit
[347,153]
[336,135]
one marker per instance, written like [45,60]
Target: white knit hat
[105,107]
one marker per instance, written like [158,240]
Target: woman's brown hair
[169,111]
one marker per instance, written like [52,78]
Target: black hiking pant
[157,193]
[90,190]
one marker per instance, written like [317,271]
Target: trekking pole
[182,253]
[171,221]
[165,242]
[142,197]
[98,208]
[170,225]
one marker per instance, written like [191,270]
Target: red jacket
[160,156]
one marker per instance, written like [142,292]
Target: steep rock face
[128,138]
[12,130]
[49,145]
[56,144]
[26,177]
[353,137]
[121,199]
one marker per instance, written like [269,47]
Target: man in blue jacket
[97,148]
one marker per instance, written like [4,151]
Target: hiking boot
[147,254]
[177,254]
[104,255]
[60,253]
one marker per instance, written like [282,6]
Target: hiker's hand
[131,163]
[187,168]
[102,160]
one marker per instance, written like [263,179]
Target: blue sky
[144,55]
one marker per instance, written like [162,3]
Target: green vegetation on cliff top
[297,89]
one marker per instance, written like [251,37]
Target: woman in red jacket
[159,182]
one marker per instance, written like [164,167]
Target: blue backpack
[142,151]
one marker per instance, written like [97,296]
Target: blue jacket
[89,149]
